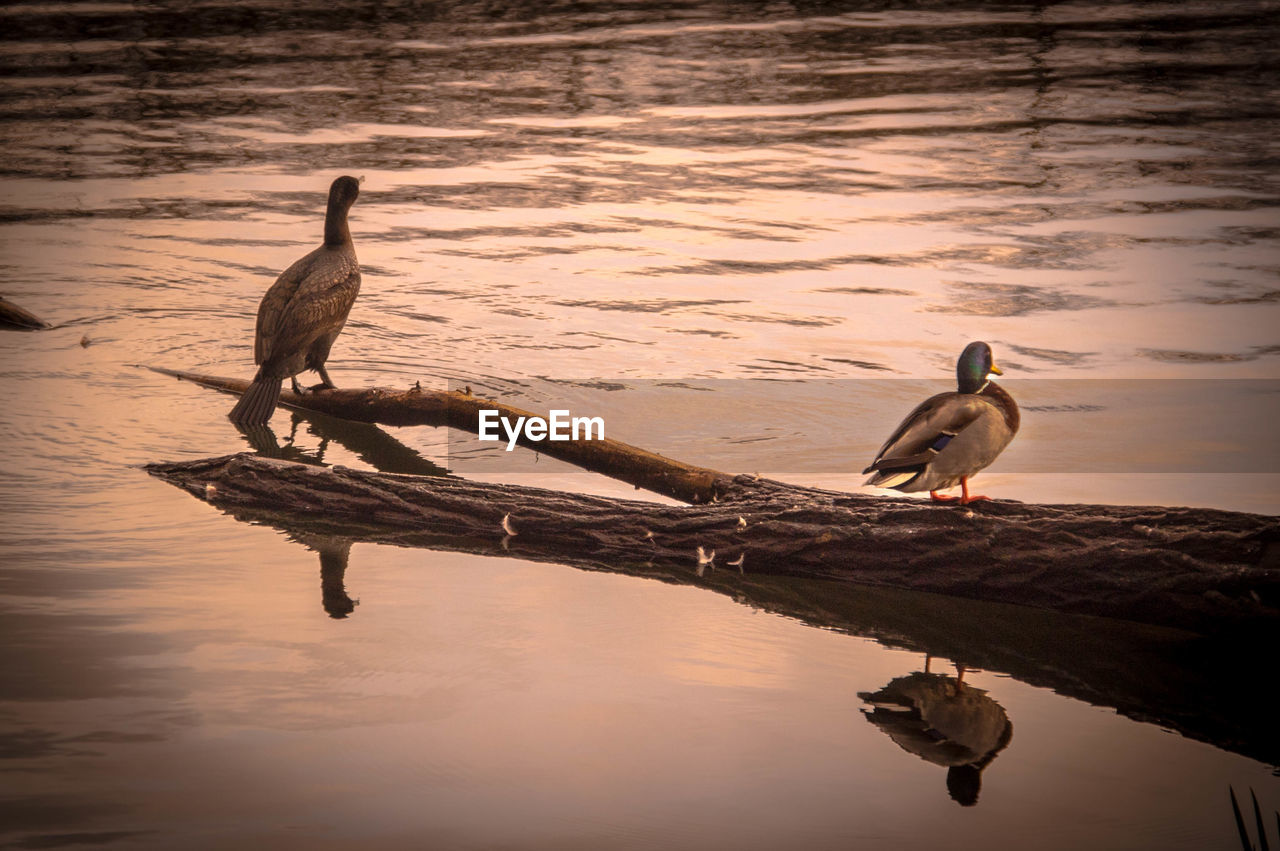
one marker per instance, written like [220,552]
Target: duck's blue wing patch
[940,442]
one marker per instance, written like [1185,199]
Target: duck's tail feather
[891,480]
[258,403]
[895,472]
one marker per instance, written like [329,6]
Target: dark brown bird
[304,311]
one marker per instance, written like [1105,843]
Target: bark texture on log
[416,406]
[1185,568]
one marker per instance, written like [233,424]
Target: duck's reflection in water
[945,721]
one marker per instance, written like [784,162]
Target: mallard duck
[304,311]
[950,437]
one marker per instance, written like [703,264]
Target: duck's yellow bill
[996,370]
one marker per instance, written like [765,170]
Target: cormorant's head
[974,366]
[344,192]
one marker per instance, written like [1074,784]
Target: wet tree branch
[415,406]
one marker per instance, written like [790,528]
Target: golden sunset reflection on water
[748,237]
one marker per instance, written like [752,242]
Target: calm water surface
[829,196]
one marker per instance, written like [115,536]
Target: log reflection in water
[1199,686]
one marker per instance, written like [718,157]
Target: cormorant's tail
[258,402]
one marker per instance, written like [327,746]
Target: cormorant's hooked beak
[996,370]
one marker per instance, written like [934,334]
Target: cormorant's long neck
[336,233]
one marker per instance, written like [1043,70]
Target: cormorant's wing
[275,307]
[319,301]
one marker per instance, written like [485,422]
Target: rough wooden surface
[1178,567]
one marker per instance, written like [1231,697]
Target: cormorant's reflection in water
[262,440]
[372,445]
[366,441]
[334,553]
[944,721]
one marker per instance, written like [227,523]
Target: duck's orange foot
[965,498]
[937,497]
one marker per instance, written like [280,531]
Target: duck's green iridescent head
[974,366]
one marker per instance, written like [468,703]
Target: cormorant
[304,311]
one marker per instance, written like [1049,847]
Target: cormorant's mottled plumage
[304,311]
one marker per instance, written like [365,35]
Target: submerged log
[415,406]
[13,316]
[1191,569]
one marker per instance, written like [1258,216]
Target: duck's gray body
[951,436]
[304,311]
[947,438]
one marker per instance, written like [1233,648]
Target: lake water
[803,209]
